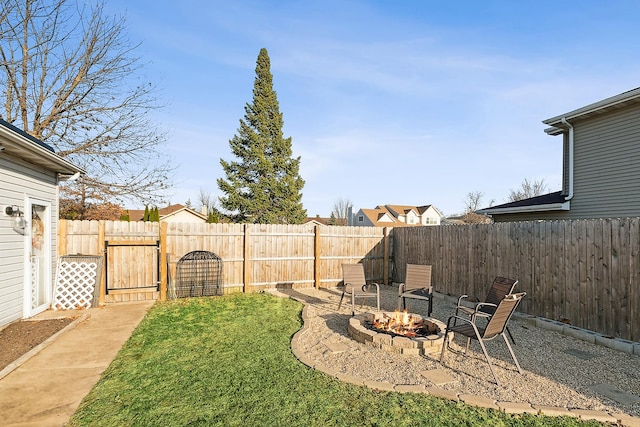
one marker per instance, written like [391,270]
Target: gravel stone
[551,376]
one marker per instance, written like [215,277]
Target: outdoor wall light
[13,211]
[19,225]
[19,222]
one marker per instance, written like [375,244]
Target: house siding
[183,216]
[607,166]
[19,180]
[431,214]
[606,169]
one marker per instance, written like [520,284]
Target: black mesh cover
[199,273]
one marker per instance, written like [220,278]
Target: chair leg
[486,355]
[353,304]
[513,356]
[430,310]
[511,336]
[444,345]
[378,298]
[340,303]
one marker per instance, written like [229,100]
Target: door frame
[28,310]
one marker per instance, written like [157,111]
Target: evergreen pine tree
[154,215]
[213,218]
[332,219]
[264,186]
[145,217]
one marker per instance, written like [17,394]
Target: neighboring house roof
[468,218]
[405,209]
[380,216]
[394,215]
[399,209]
[600,107]
[18,143]
[316,220]
[423,209]
[551,201]
[171,210]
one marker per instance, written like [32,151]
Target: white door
[38,285]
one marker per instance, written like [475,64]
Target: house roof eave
[526,209]
[23,146]
[617,101]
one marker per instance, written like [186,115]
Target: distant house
[172,213]
[397,216]
[316,221]
[30,172]
[466,219]
[601,165]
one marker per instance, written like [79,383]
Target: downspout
[570,195]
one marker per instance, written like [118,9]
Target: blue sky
[387,102]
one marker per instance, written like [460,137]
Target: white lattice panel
[75,285]
[35,281]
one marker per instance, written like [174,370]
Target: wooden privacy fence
[584,272]
[254,256]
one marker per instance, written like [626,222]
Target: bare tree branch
[472,201]
[527,190]
[341,210]
[70,77]
[206,200]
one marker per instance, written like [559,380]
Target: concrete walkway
[44,389]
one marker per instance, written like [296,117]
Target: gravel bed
[551,376]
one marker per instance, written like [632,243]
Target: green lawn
[227,361]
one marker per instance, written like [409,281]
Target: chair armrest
[372,284]
[470,298]
[465,320]
[478,311]
[401,287]
[461,298]
[348,288]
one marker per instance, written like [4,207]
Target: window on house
[361,218]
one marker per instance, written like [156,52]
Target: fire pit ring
[419,346]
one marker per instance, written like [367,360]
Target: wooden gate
[132,270]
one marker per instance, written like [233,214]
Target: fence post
[100,249]
[316,257]
[246,274]
[62,237]
[162,259]
[385,257]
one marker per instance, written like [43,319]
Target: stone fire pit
[360,330]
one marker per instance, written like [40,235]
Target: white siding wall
[19,180]
[430,217]
[184,216]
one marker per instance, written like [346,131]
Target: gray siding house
[29,175]
[601,165]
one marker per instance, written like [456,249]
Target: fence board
[586,272]
[634,279]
